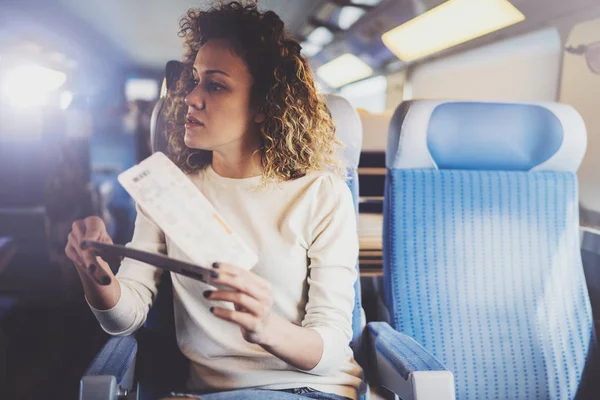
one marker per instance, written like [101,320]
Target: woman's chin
[191,141]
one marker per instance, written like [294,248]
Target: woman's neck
[242,166]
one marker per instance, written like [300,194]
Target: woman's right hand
[87,263]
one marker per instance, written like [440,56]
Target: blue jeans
[264,394]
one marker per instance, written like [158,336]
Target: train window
[369,94]
[580,87]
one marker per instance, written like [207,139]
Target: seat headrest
[485,136]
[159,138]
[158,127]
[348,128]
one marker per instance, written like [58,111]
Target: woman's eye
[215,87]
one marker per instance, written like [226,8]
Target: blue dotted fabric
[483,269]
[402,351]
[114,358]
[357,312]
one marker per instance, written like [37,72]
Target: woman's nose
[195,99]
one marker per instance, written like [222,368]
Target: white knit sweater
[304,232]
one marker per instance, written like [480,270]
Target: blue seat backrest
[481,244]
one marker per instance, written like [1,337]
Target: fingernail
[92,268]
[207,293]
[212,310]
[214,274]
[216,265]
[105,280]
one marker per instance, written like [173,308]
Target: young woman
[258,141]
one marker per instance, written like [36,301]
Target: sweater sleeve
[333,253]
[138,281]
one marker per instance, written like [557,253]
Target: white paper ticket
[187,217]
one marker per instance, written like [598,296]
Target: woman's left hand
[251,296]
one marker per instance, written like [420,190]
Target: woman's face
[219,116]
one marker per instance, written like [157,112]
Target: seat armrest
[403,366]
[111,371]
[100,387]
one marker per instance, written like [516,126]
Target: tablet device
[158,260]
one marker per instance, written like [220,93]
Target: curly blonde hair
[298,134]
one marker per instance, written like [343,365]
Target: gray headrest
[348,128]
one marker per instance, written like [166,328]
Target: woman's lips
[192,122]
[190,125]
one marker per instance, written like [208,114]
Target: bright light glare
[310,49]
[349,15]
[141,89]
[30,85]
[66,98]
[451,23]
[320,36]
[344,69]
